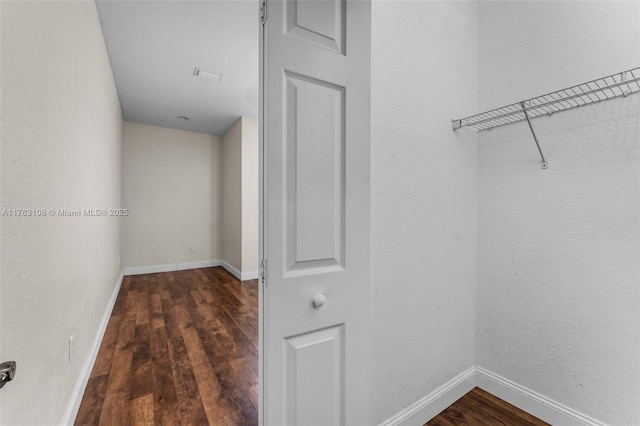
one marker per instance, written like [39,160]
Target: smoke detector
[197,72]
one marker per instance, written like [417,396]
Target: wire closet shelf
[601,89]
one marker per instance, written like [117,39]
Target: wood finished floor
[479,407]
[181,348]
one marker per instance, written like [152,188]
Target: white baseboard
[242,276]
[423,410]
[152,269]
[249,276]
[70,413]
[545,409]
[232,270]
[532,402]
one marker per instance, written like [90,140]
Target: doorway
[182,340]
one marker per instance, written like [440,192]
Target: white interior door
[316,88]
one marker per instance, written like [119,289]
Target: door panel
[314,200]
[314,366]
[318,22]
[316,102]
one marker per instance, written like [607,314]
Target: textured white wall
[423,199]
[250,198]
[528,48]
[558,274]
[171,186]
[231,166]
[61,130]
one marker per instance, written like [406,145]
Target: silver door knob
[318,300]
[7,372]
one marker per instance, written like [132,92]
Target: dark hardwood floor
[180,348]
[479,407]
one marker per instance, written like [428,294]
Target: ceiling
[155,45]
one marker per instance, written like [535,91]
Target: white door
[316,76]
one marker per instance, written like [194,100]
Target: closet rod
[601,89]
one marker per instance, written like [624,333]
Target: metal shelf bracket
[535,138]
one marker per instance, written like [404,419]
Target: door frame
[262,186]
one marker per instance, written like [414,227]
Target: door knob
[7,371]
[318,300]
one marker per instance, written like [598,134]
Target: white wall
[61,148]
[250,196]
[240,209]
[171,186]
[232,196]
[558,274]
[423,199]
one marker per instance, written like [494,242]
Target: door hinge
[263,272]
[263,12]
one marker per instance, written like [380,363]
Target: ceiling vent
[197,72]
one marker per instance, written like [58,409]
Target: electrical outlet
[191,249]
[70,347]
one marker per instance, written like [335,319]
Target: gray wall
[423,199]
[61,149]
[558,291]
[172,188]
